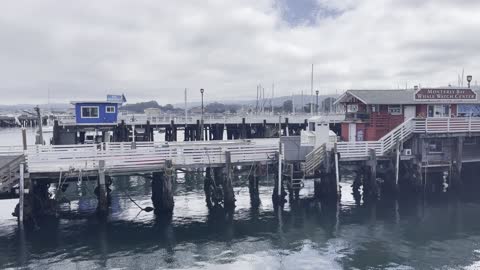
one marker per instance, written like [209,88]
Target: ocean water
[406,234]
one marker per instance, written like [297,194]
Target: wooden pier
[419,154]
[141,128]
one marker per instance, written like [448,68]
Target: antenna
[463,75]
[311,93]
[256,106]
[271,102]
[293,104]
[186,112]
[303,102]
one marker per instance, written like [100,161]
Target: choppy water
[307,235]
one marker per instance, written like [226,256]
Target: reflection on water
[305,235]
[408,234]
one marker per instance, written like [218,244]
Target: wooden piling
[162,189]
[457,163]
[243,129]
[24,138]
[229,195]
[253,185]
[102,190]
[21,192]
[278,196]
[371,187]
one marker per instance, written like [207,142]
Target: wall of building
[104,117]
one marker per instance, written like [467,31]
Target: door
[352,132]
[409,112]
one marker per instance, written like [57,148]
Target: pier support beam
[243,130]
[209,189]
[278,196]
[371,186]
[228,194]
[253,186]
[457,164]
[102,188]
[162,190]
[327,187]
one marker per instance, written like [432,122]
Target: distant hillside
[141,106]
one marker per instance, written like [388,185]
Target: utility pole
[293,104]
[311,93]
[186,112]
[201,122]
[303,103]
[256,106]
[273,87]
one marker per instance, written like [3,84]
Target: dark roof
[390,97]
[94,102]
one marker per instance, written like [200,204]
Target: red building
[370,114]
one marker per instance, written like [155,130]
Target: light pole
[201,119]
[316,92]
[469,79]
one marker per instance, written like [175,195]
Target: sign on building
[445,95]
[116,98]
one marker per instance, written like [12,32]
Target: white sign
[116,98]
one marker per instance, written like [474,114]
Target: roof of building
[387,97]
[94,102]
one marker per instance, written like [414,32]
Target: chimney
[415,87]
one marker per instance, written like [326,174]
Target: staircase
[9,173]
[314,159]
[382,147]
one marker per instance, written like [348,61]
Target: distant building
[96,112]
[152,112]
[196,110]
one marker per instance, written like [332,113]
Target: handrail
[123,156]
[315,158]
[381,147]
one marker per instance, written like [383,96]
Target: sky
[154,49]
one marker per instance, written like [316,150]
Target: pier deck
[143,157]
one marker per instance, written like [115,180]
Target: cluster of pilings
[20,121]
[121,132]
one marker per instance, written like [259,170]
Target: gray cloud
[155,49]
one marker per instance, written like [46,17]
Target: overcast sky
[154,49]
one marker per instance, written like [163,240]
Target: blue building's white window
[110,109]
[89,111]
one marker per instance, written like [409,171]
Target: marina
[399,146]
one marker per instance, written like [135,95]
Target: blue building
[96,112]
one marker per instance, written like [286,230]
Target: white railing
[402,132]
[314,159]
[144,156]
[9,174]
[381,147]
[447,125]
[11,150]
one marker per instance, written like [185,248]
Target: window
[352,108]
[395,109]
[89,111]
[110,109]
[435,146]
[438,111]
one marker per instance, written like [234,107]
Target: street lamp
[469,79]
[201,121]
[316,92]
